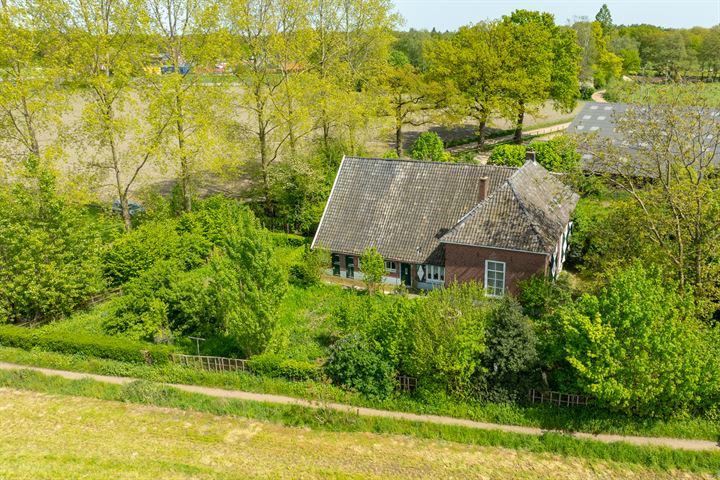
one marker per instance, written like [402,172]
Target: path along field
[49,436]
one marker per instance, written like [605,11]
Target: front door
[336,264]
[405,276]
[350,266]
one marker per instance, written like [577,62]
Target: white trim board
[332,190]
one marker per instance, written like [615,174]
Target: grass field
[73,437]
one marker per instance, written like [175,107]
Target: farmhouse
[435,223]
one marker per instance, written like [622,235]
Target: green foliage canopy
[637,346]
[49,249]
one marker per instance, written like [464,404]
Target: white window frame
[390,269]
[491,291]
[435,271]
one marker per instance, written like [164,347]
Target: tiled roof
[529,212]
[402,207]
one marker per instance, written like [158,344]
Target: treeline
[268,93]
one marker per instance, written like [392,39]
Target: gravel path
[676,443]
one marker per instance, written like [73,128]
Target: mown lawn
[72,437]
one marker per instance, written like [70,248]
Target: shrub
[309,271]
[510,358]
[558,154]
[586,91]
[546,156]
[448,336]
[133,253]
[94,346]
[274,365]
[49,249]
[429,146]
[508,155]
[372,266]
[540,295]
[352,364]
[165,298]
[218,217]
[637,346]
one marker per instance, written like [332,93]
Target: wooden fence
[225,364]
[406,384]
[212,364]
[561,399]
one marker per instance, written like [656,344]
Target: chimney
[482,188]
[530,155]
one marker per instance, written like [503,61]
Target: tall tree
[186,32]
[606,64]
[30,102]
[106,53]
[543,65]
[353,41]
[471,62]
[605,19]
[254,28]
[667,163]
[709,53]
[411,98]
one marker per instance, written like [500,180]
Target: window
[390,266]
[495,278]
[435,274]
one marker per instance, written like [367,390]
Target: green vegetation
[558,154]
[109,347]
[429,146]
[657,459]
[49,250]
[581,419]
[372,266]
[638,346]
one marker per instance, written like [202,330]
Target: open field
[70,437]
[224,170]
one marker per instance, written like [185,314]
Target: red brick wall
[464,264]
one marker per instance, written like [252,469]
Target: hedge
[274,365]
[120,349]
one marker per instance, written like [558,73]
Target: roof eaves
[494,247]
[327,204]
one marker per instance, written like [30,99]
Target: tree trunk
[398,133]
[517,137]
[34,144]
[481,132]
[184,161]
[264,155]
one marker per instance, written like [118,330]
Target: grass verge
[580,419]
[142,392]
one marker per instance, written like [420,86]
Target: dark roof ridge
[429,162]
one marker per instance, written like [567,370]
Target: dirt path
[505,138]
[599,97]
[371,412]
